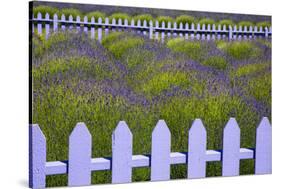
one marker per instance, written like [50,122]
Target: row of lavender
[153,29]
[80,163]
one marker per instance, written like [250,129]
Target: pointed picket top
[186,25]
[39,15]
[122,154]
[232,125]
[113,21]
[261,29]
[245,28]
[175,25]
[255,28]
[181,26]
[156,24]
[270,29]
[86,19]
[161,128]
[47,16]
[150,23]
[224,27]
[198,26]
[37,158]
[144,23]
[138,22]
[209,27]
[163,24]
[70,18]
[78,18]
[197,126]
[107,20]
[160,152]
[197,143]
[235,28]
[132,22]
[80,130]
[263,152]
[169,24]
[62,17]
[99,20]
[126,22]
[203,27]
[231,149]
[119,21]
[251,28]
[192,26]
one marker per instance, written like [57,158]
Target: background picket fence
[153,30]
[80,163]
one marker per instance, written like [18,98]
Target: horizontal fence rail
[154,30]
[80,163]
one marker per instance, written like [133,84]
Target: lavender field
[130,77]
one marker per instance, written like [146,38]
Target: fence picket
[245,36]
[113,23]
[169,27]
[37,157]
[219,32]
[55,22]
[203,30]
[266,32]
[100,29]
[230,32]
[224,31]
[240,33]
[231,149]
[150,29]
[138,26]
[197,141]
[121,154]
[251,32]
[235,32]
[192,35]
[106,30]
[208,32]
[70,19]
[85,24]
[120,24]
[62,22]
[214,30]
[92,28]
[78,29]
[181,27]
[133,26]
[160,152]
[156,27]
[79,162]
[263,153]
[198,34]
[39,25]
[186,33]
[47,25]
[163,32]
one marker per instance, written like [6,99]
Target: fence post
[160,152]
[39,25]
[47,25]
[121,154]
[62,24]
[37,157]
[150,29]
[100,29]
[263,153]
[231,149]
[55,22]
[92,28]
[197,150]
[79,156]
[230,32]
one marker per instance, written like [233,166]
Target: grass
[217,62]
[165,19]
[263,24]
[185,19]
[45,9]
[122,16]
[207,21]
[144,17]
[96,15]
[140,81]
[226,22]
[246,23]
[71,11]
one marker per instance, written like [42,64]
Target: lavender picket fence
[96,28]
[80,163]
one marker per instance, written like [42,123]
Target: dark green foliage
[165,19]
[71,11]
[45,9]
[185,19]
[143,17]
[96,15]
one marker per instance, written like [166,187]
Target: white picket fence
[153,30]
[80,163]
